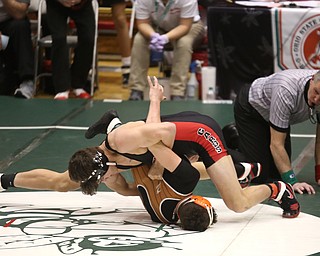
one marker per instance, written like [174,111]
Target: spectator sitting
[160,22]
[17,55]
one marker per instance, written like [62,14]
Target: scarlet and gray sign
[296,38]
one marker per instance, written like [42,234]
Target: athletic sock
[126,61]
[7,180]
[115,123]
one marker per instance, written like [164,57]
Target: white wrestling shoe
[252,170]
[1,188]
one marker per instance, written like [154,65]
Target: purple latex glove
[153,41]
[162,40]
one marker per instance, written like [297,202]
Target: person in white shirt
[160,22]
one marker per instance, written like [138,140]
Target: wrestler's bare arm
[128,138]
[202,170]
[44,179]
[155,97]
[119,184]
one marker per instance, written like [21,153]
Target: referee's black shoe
[1,188]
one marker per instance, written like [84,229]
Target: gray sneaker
[177,97]
[25,90]
[136,95]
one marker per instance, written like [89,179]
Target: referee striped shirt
[279,98]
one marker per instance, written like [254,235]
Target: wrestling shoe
[1,188]
[252,170]
[286,198]
[105,125]
[62,95]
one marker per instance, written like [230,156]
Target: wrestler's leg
[237,199]
[223,175]
[127,140]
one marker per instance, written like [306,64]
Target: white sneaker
[26,90]
[1,188]
[81,93]
[62,96]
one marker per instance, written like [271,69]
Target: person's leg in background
[182,54]
[139,67]
[47,64]
[19,55]
[120,20]
[57,16]
[83,53]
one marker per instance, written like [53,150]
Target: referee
[264,113]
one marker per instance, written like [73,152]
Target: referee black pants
[254,139]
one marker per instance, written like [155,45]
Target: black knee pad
[231,135]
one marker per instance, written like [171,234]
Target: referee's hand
[303,188]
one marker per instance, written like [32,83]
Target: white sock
[115,122]
[126,61]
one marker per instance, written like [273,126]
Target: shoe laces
[287,198]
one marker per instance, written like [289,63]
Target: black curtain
[240,42]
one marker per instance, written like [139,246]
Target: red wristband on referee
[317,172]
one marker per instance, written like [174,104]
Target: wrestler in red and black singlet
[195,134]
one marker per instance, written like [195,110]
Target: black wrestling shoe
[252,170]
[105,125]
[287,200]
[1,188]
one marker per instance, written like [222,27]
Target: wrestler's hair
[194,217]
[81,166]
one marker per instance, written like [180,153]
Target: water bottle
[156,56]
[192,85]
[210,94]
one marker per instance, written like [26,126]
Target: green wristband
[289,177]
